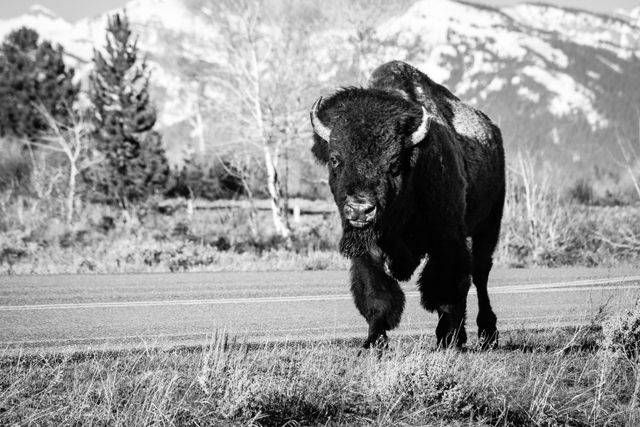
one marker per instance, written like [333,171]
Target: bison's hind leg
[484,243]
[378,297]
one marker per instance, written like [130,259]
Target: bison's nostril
[349,211]
[368,209]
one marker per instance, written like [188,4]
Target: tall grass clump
[619,358]
[534,221]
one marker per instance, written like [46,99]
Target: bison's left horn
[422,130]
[318,127]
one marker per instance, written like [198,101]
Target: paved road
[81,312]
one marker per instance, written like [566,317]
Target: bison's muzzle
[359,211]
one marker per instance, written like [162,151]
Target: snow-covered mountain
[562,82]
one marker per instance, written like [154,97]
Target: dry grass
[542,227]
[535,378]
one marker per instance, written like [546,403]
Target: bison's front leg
[378,297]
[444,285]
[451,325]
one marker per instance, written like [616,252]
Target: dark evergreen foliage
[135,164]
[206,180]
[33,73]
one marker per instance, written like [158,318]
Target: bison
[414,173]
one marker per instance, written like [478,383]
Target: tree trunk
[634,180]
[198,127]
[252,207]
[270,158]
[71,196]
[275,193]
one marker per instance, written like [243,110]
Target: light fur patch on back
[467,123]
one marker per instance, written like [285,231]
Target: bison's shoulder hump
[471,123]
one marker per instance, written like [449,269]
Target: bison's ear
[320,149]
[422,127]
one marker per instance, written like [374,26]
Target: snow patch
[633,14]
[494,85]
[478,63]
[548,52]
[613,66]
[528,94]
[570,97]
[593,75]
[427,19]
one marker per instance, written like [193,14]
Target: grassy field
[552,377]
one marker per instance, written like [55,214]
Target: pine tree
[33,75]
[135,163]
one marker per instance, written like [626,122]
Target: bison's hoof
[487,331]
[380,344]
[488,338]
[456,338]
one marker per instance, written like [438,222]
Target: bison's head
[366,138]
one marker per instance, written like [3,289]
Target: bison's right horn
[422,130]
[318,127]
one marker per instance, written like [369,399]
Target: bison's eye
[335,161]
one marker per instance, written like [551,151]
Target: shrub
[582,192]
[205,179]
[15,167]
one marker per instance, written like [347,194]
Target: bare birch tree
[72,140]
[362,18]
[293,85]
[262,73]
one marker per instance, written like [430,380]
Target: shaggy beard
[356,242]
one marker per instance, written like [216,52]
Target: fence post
[296,213]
